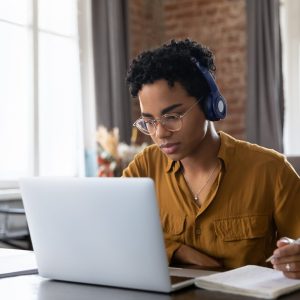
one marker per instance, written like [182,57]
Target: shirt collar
[172,165]
[225,153]
[227,148]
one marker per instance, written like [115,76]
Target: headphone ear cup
[219,107]
[214,108]
[206,107]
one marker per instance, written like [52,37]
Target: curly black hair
[172,62]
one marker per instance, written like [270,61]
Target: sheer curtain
[265,83]
[113,105]
[290,11]
[42,97]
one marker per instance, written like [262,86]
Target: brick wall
[219,24]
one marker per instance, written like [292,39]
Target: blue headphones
[214,105]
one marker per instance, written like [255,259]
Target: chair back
[295,162]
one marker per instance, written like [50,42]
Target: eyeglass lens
[171,122]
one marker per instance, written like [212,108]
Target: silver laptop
[103,231]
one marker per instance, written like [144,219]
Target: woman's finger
[287,250]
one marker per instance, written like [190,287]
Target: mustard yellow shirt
[254,201]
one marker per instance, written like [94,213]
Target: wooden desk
[34,287]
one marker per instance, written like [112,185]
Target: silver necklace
[196,195]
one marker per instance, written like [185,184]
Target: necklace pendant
[196,198]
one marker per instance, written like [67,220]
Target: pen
[288,241]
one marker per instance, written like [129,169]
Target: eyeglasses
[171,122]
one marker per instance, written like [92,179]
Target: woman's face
[157,99]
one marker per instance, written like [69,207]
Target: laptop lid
[98,230]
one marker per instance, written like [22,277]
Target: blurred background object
[114,156]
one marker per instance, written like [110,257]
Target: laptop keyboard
[178,279]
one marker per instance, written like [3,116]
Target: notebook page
[17,262]
[250,280]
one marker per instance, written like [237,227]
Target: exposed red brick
[219,24]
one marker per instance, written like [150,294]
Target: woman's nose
[161,131]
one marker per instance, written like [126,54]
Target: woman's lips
[169,148]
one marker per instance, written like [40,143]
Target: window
[40,97]
[290,24]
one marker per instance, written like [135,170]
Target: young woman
[223,202]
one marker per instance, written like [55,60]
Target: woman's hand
[188,255]
[287,258]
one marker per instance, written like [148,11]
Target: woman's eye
[149,122]
[171,117]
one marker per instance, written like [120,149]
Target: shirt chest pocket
[173,224]
[241,228]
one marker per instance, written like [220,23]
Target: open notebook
[250,280]
[98,230]
[17,262]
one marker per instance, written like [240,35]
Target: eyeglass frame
[159,120]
